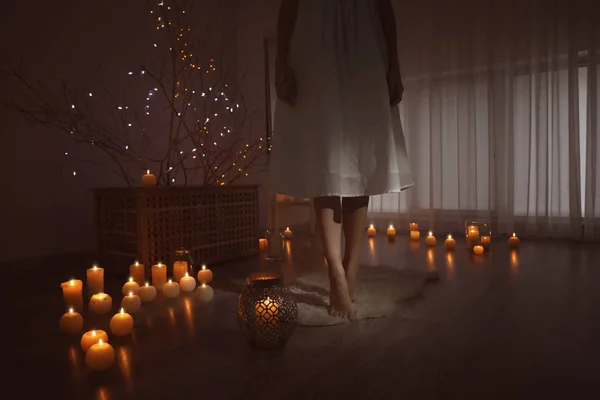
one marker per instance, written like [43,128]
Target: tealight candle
[391,232]
[180,268]
[92,337]
[287,233]
[205,275]
[371,231]
[121,324]
[147,293]
[100,303]
[430,239]
[130,286]
[187,283]
[513,241]
[72,294]
[95,280]
[100,356]
[71,322]
[450,243]
[159,276]
[267,313]
[171,289]
[131,303]
[204,293]
[486,241]
[478,249]
[415,235]
[136,270]
[148,180]
[262,244]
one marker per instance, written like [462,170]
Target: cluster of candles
[263,242]
[99,354]
[479,243]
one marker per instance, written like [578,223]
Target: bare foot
[340,304]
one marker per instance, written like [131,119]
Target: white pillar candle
[391,232]
[486,242]
[371,231]
[100,356]
[180,268]
[205,275]
[147,293]
[148,179]
[204,293]
[72,294]
[92,337]
[262,244]
[450,243]
[430,239]
[131,303]
[513,241]
[121,323]
[71,322]
[187,283]
[159,276]
[100,303]
[287,233]
[136,270]
[171,289]
[95,280]
[130,286]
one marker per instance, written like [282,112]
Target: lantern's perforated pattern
[267,312]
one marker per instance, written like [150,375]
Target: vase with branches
[180,115]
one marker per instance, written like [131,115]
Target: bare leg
[354,218]
[328,212]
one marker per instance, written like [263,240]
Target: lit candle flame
[186,275]
[371,226]
[204,285]
[71,310]
[430,233]
[93,333]
[137,263]
[170,281]
[449,236]
[122,310]
[159,265]
[514,234]
[391,226]
[100,342]
[130,279]
[203,266]
[147,284]
[95,267]
[131,293]
[147,172]
[72,282]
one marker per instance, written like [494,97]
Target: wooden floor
[506,325]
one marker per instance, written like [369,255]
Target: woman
[337,136]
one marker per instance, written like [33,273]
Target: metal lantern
[478,233]
[267,312]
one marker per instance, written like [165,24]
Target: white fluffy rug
[378,291]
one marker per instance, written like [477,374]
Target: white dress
[341,138]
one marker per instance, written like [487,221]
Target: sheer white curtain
[500,115]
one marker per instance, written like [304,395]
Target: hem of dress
[374,193]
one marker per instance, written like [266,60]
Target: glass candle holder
[478,233]
[274,246]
